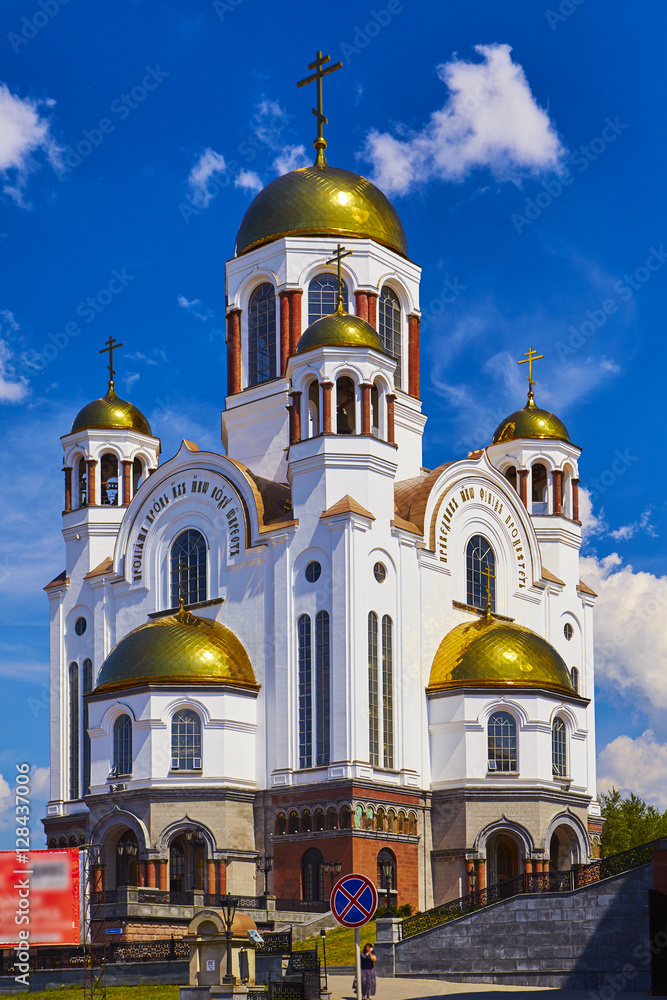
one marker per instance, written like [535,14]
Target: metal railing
[567,881]
[110,953]
[310,906]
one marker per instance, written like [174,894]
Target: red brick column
[326,406]
[162,873]
[481,874]
[68,487]
[528,866]
[391,399]
[575,499]
[295,319]
[233,352]
[361,307]
[373,310]
[557,476]
[142,874]
[413,355]
[284,330]
[210,877]
[151,881]
[90,484]
[365,408]
[98,878]
[296,416]
[523,486]
[127,481]
[222,878]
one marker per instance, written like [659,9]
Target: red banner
[39,897]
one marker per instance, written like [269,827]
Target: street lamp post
[228,906]
[388,872]
[323,935]
[472,879]
[332,871]
[265,869]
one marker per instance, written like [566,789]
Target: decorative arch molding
[258,276]
[567,715]
[397,285]
[190,703]
[579,834]
[316,267]
[502,704]
[114,712]
[120,820]
[181,826]
[504,826]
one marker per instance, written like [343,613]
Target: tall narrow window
[323,296]
[479,558]
[74,730]
[262,334]
[502,742]
[373,719]
[346,406]
[559,748]
[386,857]
[314,409]
[87,688]
[539,489]
[322,690]
[188,565]
[389,328]
[574,674]
[177,866]
[109,482]
[305,692]
[510,476]
[137,475]
[122,746]
[186,741]
[83,480]
[387,692]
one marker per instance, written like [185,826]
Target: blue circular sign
[354,900]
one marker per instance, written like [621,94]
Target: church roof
[531,422]
[321,201]
[178,649]
[113,413]
[411,495]
[347,505]
[489,653]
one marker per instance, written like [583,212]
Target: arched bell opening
[346,406]
[82,484]
[137,475]
[539,491]
[109,480]
[375,410]
[313,421]
[510,476]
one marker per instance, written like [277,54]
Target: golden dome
[320,201]
[531,422]
[111,412]
[178,649]
[489,654]
[339,330]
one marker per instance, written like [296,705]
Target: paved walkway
[414,989]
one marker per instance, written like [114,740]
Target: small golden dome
[339,330]
[321,201]
[489,654]
[178,649]
[531,422]
[111,412]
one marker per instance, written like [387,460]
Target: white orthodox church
[306,644]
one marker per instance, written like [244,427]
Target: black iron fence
[275,943]
[166,897]
[310,906]
[110,953]
[567,881]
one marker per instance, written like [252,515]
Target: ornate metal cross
[318,75]
[338,256]
[531,355]
[111,346]
[489,577]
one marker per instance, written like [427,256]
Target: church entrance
[503,859]
[561,850]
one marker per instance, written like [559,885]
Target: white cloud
[130,379]
[25,137]
[248,180]
[196,307]
[490,120]
[209,165]
[13,388]
[627,531]
[635,765]
[591,523]
[291,158]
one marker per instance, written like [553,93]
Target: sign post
[354,900]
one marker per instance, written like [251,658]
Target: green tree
[629,822]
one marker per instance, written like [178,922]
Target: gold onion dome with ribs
[489,654]
[113,413]
[531,422]
[339,330]
[178,649]
[321,201]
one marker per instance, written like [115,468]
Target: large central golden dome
[489,653]
[321,201]
[178,649]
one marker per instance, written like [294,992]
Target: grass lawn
[113,993]
[340,944]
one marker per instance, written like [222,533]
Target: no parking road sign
[354,900]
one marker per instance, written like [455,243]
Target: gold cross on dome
[338,256]
[531,355]
[489,577]
[318,75]
[111,346]
[182,567]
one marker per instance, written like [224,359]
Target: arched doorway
[127,859]
[562,850]
[312,876]
[503,858]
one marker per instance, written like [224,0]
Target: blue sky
[538,218]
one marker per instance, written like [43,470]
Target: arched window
[346,818]
[479,558]
[305,660]
[262,334]
[375,410]
[293,822]
[510,476]
[306,825]
[322,689]
[313,409]
[87,670]
[574,674]
[83,481]
[369,818]
[391,821]
[346,406]
[318,820]
[137,475]
[109,481]
[386,857]
[332,818]
[127,860]
[312,876]
[502,742]
[389,327]
[412,825]
[387,692]
[188,566]
[559,748]
[373,684]
[122,746]
[186,741]
[379,820]
[177,866]
[74,730]
[401,822]
[323,296]
[281,825]
[539,489]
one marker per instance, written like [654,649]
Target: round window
[313,572]
[568,631]
[380,572]
[80,626]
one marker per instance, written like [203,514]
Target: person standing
[368,960]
